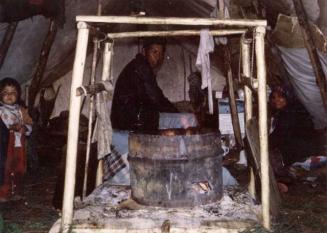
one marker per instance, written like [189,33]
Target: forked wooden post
[246,67]
[91,113]
[106,69]
[246,70]
[263,128]
[73,126]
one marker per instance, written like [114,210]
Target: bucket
[175,170]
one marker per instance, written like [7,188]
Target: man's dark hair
[148,41]
[11,82]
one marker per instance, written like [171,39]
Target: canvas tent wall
[24,51]
[170,78]
[287,36]
[25,48]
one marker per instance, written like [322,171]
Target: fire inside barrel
[172,169]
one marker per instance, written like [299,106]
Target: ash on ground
[107,204]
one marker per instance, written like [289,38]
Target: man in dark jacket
[137,97]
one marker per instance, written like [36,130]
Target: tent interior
[38,41]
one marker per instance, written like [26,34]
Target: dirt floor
[304,207]
[33,214]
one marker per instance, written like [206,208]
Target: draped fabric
[303,80]
[16,10]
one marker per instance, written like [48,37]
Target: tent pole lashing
[73,126]
[250,82]
[90,89]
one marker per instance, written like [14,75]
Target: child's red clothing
[15,168]
[15,157]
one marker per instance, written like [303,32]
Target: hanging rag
[103,132]
[206,46]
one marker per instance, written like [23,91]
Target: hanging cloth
[114,161]
[206,46]
[103,131]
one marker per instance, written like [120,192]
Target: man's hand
[27,119]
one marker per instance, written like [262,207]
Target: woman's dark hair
[148,41]
[11,82]
[284,91]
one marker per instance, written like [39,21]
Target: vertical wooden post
[232,100]
[6,41]
[263,128]
[91,108]
[246,67]
[312,50]
[99,175]
[99,7]
[221,6]
[73,127]
[42,63]
[106,69]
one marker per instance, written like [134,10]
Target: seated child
[15,123]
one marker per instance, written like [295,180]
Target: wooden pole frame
[77,78]
[246,67]
[106,71]
[91,113]
[263,127]
[171,21]
[173,33]
[73,127]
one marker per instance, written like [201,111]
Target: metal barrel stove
[177,170]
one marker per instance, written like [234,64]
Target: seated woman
[292,132]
